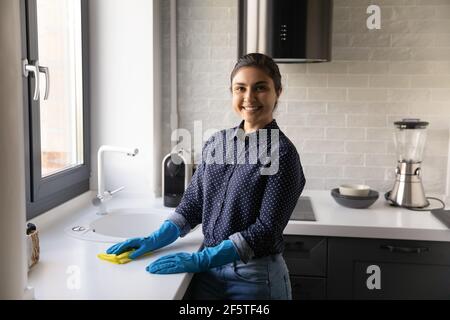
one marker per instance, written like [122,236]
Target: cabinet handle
[298,247]
[295,245]
[404,249]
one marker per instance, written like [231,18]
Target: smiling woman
[256,87]
[243,209]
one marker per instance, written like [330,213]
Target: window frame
[45,193]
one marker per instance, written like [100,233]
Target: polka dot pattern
[236,197]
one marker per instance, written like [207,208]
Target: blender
[409,138]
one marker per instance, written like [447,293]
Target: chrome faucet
[102,194]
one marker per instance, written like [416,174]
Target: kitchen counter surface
[69,269]
[378,221]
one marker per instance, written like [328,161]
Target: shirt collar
[241,134]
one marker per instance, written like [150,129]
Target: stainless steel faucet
[102,194]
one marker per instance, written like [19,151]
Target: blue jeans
[260,279]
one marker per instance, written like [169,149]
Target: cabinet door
[305,255]
[388,269]
[308,288]
[400,281]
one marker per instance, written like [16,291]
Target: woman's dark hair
[261,61]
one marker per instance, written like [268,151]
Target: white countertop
[378,221]
[64,259]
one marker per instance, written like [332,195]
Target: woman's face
[254,96]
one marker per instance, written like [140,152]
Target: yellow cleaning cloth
[117,259]
[114,258]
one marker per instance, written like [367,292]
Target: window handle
[45,71]
[27,68]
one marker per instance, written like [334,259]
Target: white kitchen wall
[123,92]
[340,114]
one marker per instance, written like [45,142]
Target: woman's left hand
[195,262]
[176,263]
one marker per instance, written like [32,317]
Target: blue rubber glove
[165,235]
[195,262]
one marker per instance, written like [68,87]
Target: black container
[174,180]
[177,170]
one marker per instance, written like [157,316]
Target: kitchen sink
[303,211]
[117,225]
[127,225]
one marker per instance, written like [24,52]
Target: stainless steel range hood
[290,31]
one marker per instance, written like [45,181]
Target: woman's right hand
[166,234]
[142,246]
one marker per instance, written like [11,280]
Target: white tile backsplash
[340,114]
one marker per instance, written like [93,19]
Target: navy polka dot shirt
[238,194]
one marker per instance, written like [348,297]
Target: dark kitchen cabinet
[308,288]
[357,268]
[306,258]
[388,269]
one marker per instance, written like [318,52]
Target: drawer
[388,269]
[308,288]
[401,281]
[389,250]
[306,256]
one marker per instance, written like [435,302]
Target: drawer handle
[404,249]
[297,246]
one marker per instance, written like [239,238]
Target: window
[56,101]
